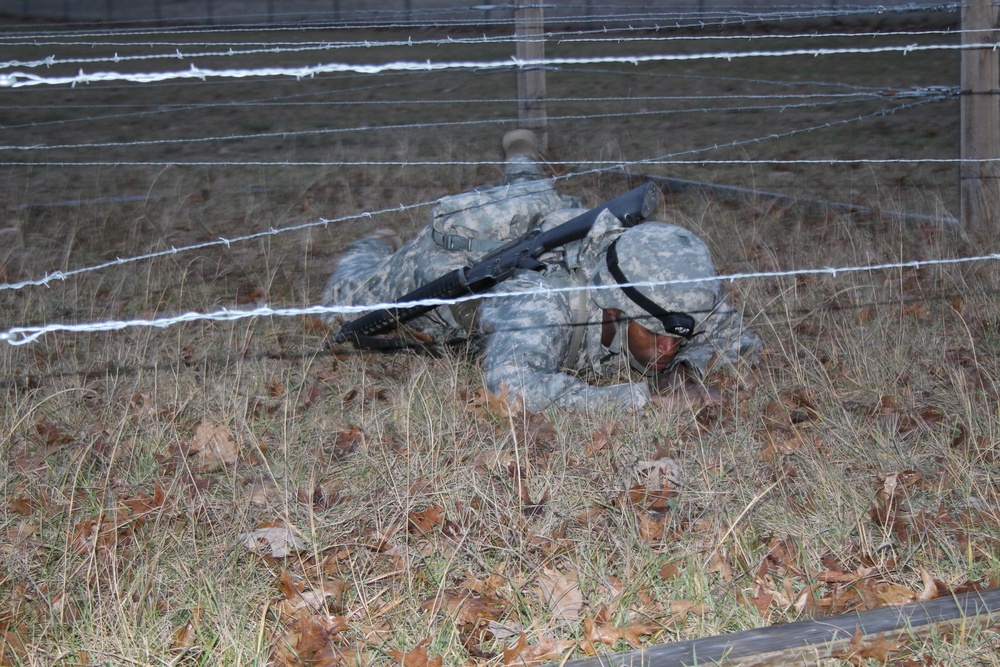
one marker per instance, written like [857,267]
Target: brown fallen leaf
[857,652]
[602,440]
[418,657]
[309,641]
[609,634]
[22,506]
[464,607]
[140,505]
[344,443]
[298,604]
[761,601]
[670,570]
[561,594]
[930,591]
[213,447]
[275,541]
[894,594]
[184,635]
[547,649]
[422,522]
[49,433]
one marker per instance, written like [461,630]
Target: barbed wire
[616,166]
[164,109]
[22,79]
[287,134]
[565,37]
[649,19]
[17,336]
[275,102]
[24,335]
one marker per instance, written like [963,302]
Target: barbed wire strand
[567,37]
[287,134]
[695,19]
[619,166]
[165,109]
[22,79]
[17,336]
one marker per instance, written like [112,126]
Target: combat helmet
[657,252]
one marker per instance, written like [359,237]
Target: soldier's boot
[388,237]
[520,150]
[520,142]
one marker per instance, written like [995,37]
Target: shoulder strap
[583,296]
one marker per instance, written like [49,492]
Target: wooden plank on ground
[805,642]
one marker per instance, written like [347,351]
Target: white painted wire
[21,79]
[17,336]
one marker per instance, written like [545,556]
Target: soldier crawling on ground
[599,308]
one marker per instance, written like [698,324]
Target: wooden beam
[979,180]
[807,642]
[529,33]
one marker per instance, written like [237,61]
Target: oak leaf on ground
[184,635]
[298,604]
[276,541]
[213,447]
[561,594]
[858,652]
[310,641]
[423,521]
[548,649]
[607,633]
[418,657]
[465,607]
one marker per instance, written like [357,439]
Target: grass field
[239,493]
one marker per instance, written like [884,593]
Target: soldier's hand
[681,389]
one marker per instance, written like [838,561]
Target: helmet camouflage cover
[657,252]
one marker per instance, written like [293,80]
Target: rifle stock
[500,264]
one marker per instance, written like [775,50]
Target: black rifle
[500,264]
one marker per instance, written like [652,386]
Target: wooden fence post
[529,32]
[979,179]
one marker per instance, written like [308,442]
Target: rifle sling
[583,296]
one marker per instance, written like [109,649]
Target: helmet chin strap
[619,345]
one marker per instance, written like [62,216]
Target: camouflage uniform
[463,228]
[546,347]
[529,351]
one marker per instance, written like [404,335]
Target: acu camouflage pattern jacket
[529,351]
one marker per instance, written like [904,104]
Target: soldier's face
[649,349]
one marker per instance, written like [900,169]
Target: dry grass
[865,442]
